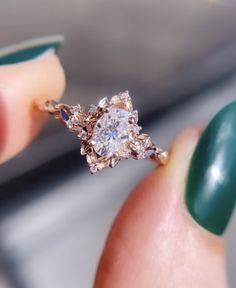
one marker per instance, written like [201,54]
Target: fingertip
[20,86]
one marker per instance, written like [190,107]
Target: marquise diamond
[111,132]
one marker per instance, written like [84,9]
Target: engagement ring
[109,131]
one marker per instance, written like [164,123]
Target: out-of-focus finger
[28,73]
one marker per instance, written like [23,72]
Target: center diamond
[111,132]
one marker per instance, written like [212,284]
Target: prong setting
[109,132]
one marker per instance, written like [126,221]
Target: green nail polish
[29,50]
[211,182]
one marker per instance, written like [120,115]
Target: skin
[153,242]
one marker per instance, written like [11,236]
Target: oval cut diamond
[111,132]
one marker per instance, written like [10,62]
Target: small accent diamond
[82,134]
[104,102]
[82,150]
[76,109]
[93,169]
[69,124]
[92,109]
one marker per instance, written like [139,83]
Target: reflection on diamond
[111,132]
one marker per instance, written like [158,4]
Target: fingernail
[211,182]
[30,49]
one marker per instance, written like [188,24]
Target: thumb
[154,242]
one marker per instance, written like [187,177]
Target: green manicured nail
[29,50]
[211,182]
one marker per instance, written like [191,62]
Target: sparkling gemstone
[82,150]
[114,161]
[125,95]
[69,124]
[142,147]
[82,134]
[135,116]
[148,153]
[111,132]
[93,169]
[75,120]
[103,102]
[137,129]
[92,109]
[76,109]
[64,115]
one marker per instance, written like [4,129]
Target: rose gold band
[109,131]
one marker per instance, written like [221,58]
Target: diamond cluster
[109,132]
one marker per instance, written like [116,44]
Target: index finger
[21,84]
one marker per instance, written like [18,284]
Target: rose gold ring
[109,132]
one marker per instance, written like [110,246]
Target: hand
[153,242]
